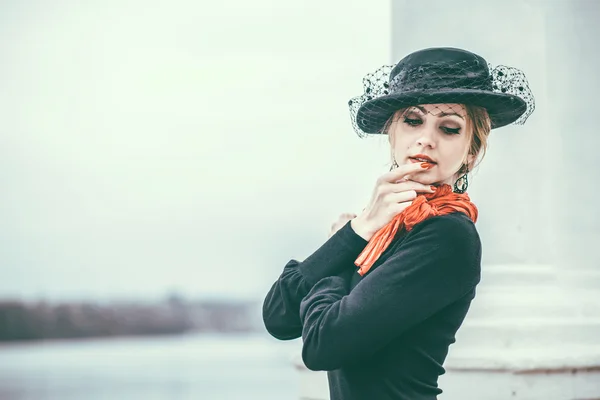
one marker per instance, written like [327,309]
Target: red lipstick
[422,158]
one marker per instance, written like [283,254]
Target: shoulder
[453,225]
[440,249]
[453,233]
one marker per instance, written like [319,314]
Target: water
[207,367]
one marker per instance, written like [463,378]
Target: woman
[380,302]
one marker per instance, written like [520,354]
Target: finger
[403,186]
[405,169]
[347,216]
[397,208]
[333,229]
[410,185]
[403,179]
[342,219]
[402,197]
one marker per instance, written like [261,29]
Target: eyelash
[416,122]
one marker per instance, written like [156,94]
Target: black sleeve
[437,263]
[281,306]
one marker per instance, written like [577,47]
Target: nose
[426,137]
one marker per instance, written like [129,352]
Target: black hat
[442,75]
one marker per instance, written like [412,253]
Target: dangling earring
[463,181]
[394,163]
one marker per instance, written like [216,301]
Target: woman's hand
[341,221]
[393,192]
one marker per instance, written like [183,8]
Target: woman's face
[436,133]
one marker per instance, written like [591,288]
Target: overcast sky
[183,145]
[198,146]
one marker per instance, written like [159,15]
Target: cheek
[454,155]
[400,141]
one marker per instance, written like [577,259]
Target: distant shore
[23,321]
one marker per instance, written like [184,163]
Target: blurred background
[162,161]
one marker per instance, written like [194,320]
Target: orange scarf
[443,201]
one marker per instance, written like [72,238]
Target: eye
[450,131]
[412,121]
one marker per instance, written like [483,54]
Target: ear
[471,161]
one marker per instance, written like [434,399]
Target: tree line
[41,320]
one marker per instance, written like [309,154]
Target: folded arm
[281,306]
[436,264]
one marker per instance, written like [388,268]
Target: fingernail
[433,188]
[426,165]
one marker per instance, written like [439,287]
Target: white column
[573,37]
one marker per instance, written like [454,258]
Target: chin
[425,180]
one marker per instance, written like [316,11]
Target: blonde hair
[479,126]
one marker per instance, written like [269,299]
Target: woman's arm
[437,263]
[281,307]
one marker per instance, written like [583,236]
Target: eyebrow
[442,114]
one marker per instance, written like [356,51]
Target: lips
[422,158]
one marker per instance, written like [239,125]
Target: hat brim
[503,108]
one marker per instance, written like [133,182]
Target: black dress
[385,335]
